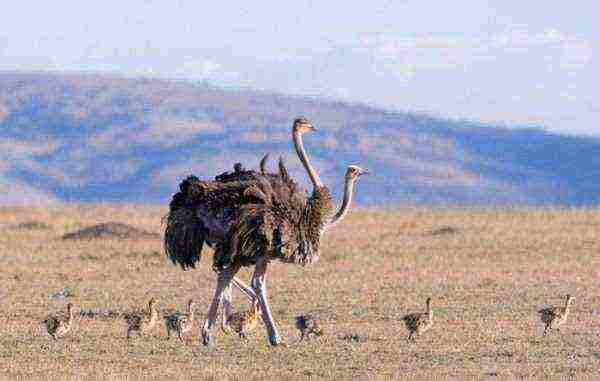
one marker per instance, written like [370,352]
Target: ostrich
[554,317]
[418,323]
[249,219]
[308,324]
[245,321]
[142,322]
[181,323]
[58,325]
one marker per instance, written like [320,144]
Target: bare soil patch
[444,230]
[110,230]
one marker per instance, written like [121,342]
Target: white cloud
[386,46]
[391,45]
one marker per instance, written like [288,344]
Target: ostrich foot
[275,339]
[207,339]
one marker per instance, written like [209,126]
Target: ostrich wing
[244,213]
[207,209]
[281,180]
[184,237]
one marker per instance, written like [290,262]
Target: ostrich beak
[364,172]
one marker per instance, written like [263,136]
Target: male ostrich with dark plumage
[250,218]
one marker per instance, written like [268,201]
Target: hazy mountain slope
[92,138]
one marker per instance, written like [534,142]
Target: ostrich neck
[345,207]
[314,177]
[429,311]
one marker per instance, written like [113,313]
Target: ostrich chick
[554,317]
[181,323]
[418,323]
[58,325]
[245,321]
[308,324]
[142,322]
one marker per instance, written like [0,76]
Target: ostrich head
[302,126]
[353,172]
[570,299]
[191,304]
[69,307]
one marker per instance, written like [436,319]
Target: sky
[516,63]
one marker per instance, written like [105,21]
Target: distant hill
[93,138]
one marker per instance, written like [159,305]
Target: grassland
[487,271]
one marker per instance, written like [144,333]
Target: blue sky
[514,62]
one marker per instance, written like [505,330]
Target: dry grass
[489,273]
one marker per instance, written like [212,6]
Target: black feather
[283,172]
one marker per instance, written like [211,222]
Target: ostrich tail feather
[184,238]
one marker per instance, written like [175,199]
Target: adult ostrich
[249,219]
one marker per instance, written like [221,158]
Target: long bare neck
[153,314]
[429,310]
[191,311]
[345,206]
[314,177]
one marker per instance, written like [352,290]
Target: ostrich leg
[247,291]
[223,280]
[228,298]
[227,303]
[259,283]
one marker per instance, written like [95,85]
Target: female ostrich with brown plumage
[250,218]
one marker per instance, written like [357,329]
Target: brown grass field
[488,272]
